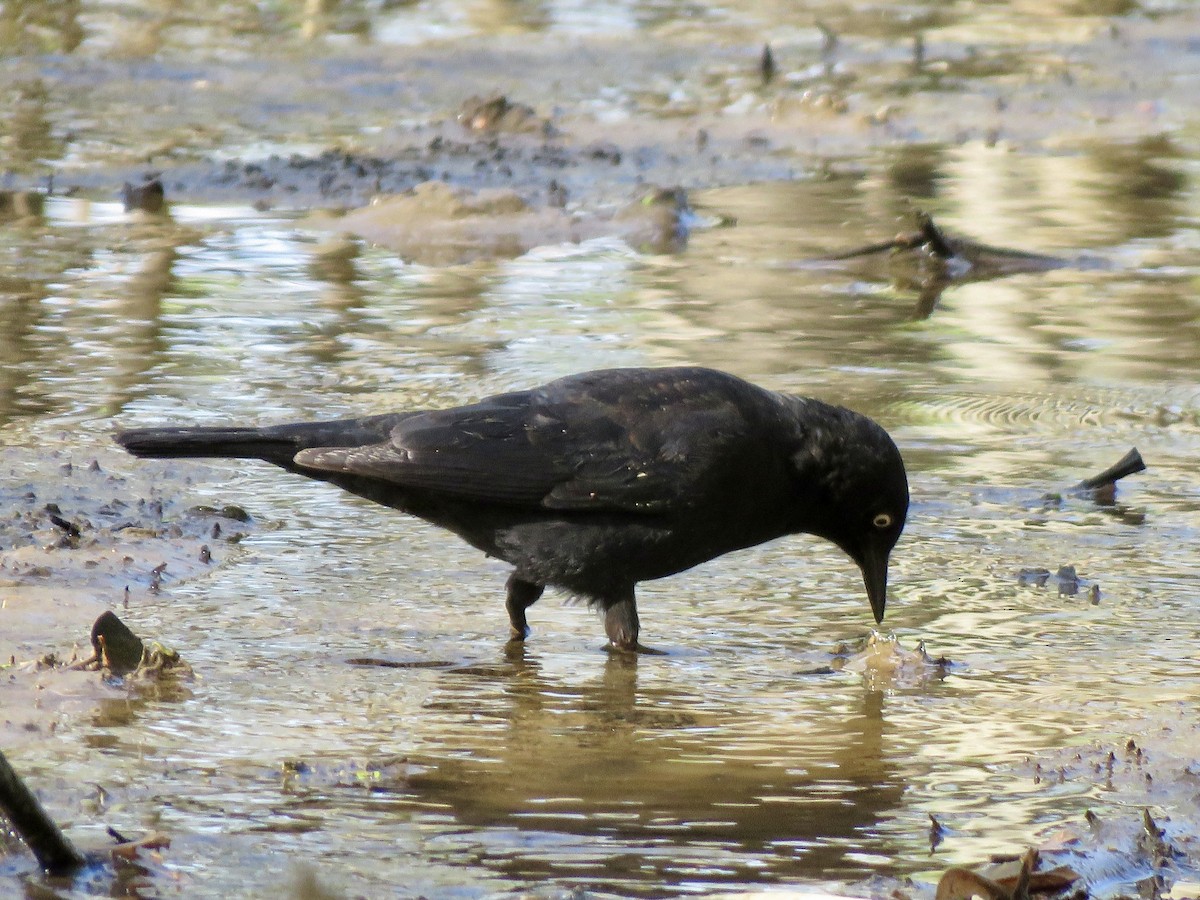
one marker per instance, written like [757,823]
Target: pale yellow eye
[883,520]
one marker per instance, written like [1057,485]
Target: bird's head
[855,492]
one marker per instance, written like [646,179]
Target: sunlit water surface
[475,769]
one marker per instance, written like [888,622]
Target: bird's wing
[657,463]
[572,445]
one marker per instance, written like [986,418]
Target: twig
[54,852]
[1128,464]
[939,244]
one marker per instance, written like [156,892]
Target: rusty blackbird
[597,481]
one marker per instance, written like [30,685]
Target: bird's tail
[233,443]
[277,444]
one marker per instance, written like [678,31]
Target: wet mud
[78,542]
[684,111]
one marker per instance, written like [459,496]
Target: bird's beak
[874,565]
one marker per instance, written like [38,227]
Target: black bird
[597,481]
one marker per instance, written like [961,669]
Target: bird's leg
[621,623]
[522,594]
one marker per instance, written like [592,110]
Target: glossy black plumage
[600,480]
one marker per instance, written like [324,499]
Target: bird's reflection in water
[645,785]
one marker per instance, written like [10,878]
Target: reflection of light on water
[559,309]
[431,21]
[729,761]
[68,211]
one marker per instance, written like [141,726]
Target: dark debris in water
[121,654]
[1066,580]
[123,868]
[937,833]
[149,196]
[387,775]
[1009,879]
[499,114]
[767,70]
[927,260]
[400,663]
[1101,488]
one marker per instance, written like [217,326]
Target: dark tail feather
[232,443]
[276,444]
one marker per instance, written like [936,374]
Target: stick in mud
[928,235]
[1128,464]
[55,854]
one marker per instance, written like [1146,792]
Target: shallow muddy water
[743,757]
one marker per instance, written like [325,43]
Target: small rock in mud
[119,653]
[657,222]
[116,647]
[147,197]
[438,224]
[499,114]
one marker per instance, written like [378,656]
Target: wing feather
[578,444]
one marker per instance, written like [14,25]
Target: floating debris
[928,260]
[766,65]
[148,197]
[937,833]
[1103,487]
[884,663]
[1066,580]
[1011,879]
[56,855]
[128,849]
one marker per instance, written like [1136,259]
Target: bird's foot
[522,594]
